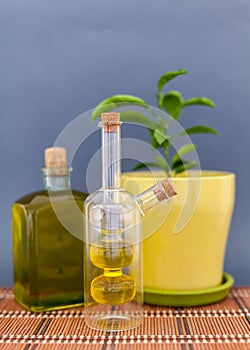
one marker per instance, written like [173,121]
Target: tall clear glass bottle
[113,286]
[47,258]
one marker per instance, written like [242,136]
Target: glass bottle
[113,286]
[47,231]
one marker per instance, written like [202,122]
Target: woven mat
[223,325]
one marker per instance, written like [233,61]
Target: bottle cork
[111,121]
[55,157]
[165,190]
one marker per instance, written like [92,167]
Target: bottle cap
[110,121]
[164,190]
[111,117]
[55,157]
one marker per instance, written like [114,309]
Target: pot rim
[191,175]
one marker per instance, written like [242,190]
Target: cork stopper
[111,121]
[165,190]
[55,157]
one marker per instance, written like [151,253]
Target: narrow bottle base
[116,317]
[114,322]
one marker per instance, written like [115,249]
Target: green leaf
[162,164]
[154,142]
[182,162]
[114,102]
[159,97]
[182,151]
[202,101]
[160,137]
[166,77]
[158,163]
[172,103]
[198,129]
[166,147]
[186,149]
[177,162]
[185,166]
[136,117]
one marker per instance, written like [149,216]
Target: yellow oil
[113,290]
[111,253]
[112,287]
[48,259]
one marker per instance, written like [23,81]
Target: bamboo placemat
[223,325]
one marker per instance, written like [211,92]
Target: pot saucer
[189,297]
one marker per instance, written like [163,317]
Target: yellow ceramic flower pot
[184,241]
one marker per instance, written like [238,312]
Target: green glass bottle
[47,231]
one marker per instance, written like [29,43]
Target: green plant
[173,103]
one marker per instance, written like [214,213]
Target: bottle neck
[146,201]
[56,179]
[111,172]
[152,197]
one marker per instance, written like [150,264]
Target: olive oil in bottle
[113,265]
[113,287]
[47,230]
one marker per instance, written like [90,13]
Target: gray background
[60,58]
